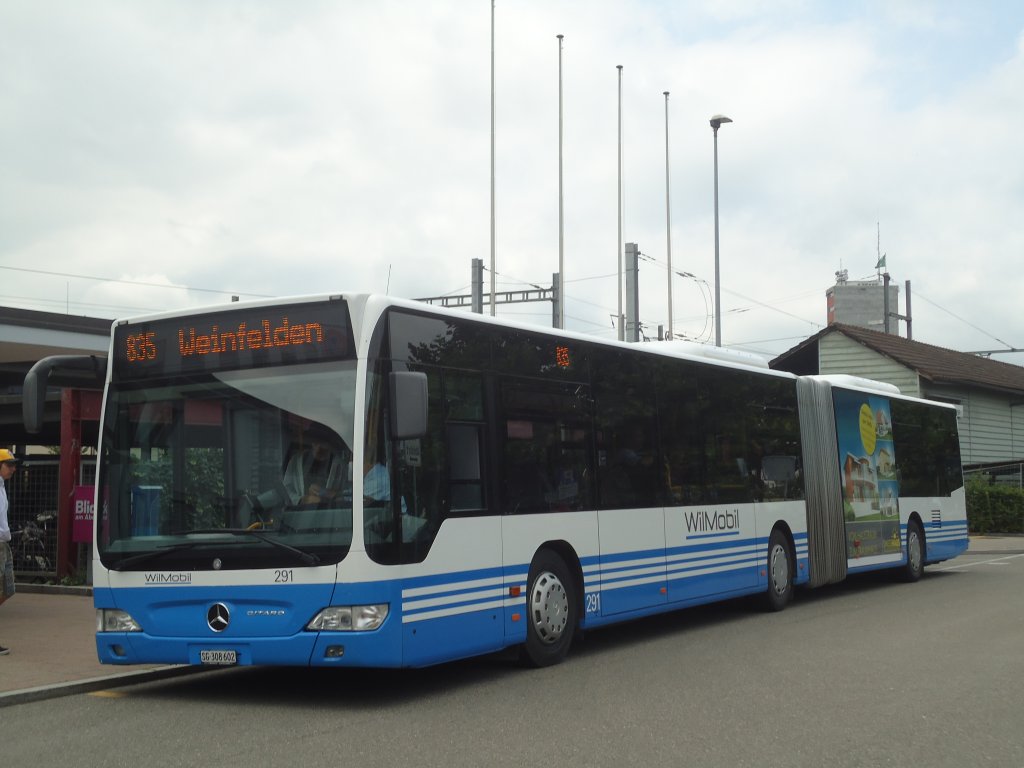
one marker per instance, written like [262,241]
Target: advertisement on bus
[867,462]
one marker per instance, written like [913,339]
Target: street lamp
[716,122]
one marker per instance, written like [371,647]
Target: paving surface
[51,637]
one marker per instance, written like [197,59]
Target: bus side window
[775,442]
[465,476]
[726,396]
[546,451]
[629,471]
[927,449]
[464,418]
[680,413]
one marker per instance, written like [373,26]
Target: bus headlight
[349,618]
[113,620]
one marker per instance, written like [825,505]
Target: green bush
[994,508]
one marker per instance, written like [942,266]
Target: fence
[1004,474]
[32,515]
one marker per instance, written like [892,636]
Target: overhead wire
[653,260]
[774,309]
[64,303]
[136,282]
[919,295]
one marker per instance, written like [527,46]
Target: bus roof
[699,353]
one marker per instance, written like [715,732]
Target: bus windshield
[228,470]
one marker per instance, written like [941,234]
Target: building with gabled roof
[989,395]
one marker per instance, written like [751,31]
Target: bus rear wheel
[552,610]
[780,572]
[915,553]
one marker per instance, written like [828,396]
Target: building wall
[840,354]
[991,428]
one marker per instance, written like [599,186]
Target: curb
[57,690]
[52,589]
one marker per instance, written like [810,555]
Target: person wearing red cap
[8,463]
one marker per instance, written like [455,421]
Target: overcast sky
[186,151]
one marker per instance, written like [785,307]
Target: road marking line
[995,561]
[109,694]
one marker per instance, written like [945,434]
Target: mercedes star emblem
[218,617]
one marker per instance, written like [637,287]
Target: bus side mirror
[408,405]
[33,398]
[81,371]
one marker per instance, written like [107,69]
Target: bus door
[547,477]
[713,424]
[630,483]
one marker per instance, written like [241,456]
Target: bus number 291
[593,602]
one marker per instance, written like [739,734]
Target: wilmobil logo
[702,521]
[167,579]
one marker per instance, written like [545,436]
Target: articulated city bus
[354,480]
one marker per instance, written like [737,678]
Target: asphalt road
[867,673]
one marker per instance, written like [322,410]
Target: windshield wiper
[144,556]
[306,557]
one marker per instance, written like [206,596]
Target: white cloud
[275,149]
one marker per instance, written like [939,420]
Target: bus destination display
[267,336]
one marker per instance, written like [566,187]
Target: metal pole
[668,224]
[561,215]
[632,293]
[492,161]
[618,243]
[910,320]
[718,280]
[716,122]
[476,288]
[556,300]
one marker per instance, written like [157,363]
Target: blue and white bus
[355,480]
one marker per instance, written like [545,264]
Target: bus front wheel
[551,611]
